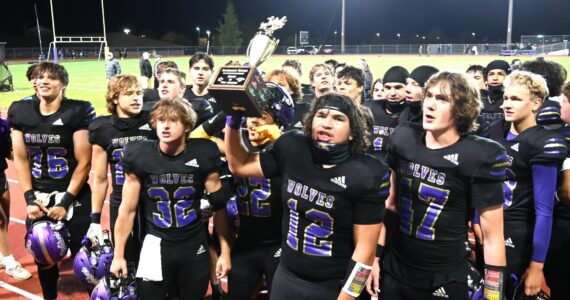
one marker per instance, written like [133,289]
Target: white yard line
[19,291]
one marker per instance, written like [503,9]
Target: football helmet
[93,260]
[233,214]
[111,288]
[475,282]
[47,241]
[280,105]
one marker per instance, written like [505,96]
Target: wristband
[234,122]
[30,197]
[494,282]
[66,200]
[356,276]
[379,251]
[96,217]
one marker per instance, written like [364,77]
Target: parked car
[309,49]
[327,49]
[294,50]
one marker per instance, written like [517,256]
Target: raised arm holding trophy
[241,89]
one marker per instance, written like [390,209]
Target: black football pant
[77,227]
[392,289]
[134,241]
[287,286]
[249,264]
[518,243]
[185,270]
[557,266]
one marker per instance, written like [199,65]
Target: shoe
[18,272]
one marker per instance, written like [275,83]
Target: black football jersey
[492,110]
[49,139]
[437,191]
[562,210]
[301,111]
[259,203]
[172,186]
[112,133]
[189,94]
[534,145]
[150,97]
[321,205]
[202,107]
[384,125]
[549,114]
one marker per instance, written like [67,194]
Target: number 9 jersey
[437,190]
[172,186]
[49,139]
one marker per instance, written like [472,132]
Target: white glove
[95,233]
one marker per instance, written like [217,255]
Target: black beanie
[396,74]
[499,64]
[422,73]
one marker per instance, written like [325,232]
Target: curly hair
[553,72]
[117,85]
[536,84]
[465,98]
[174,107]
[358,121]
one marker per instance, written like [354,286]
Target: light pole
[198,29]
[541,36]
[510,23]
[398,35]
[342,28]
[378,36]
[208,45]
[126,31]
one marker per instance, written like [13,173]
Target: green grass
[87,78]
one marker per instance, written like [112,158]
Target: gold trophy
[241,89]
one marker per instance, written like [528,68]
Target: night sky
[456,19]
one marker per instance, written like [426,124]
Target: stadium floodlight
[198,29]
[335,33]
[126,31]
[541,36]
[398,35]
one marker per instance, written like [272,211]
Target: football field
[87,78]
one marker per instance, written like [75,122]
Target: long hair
[357,121]
[117,85]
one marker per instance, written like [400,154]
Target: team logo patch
[145,127]
[339,181]
[453,158]
[515,147]
[440,293]
[201,250]
[277,253]
[58,122]
[193,163]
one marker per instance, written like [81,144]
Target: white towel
[150,262]
[51,199]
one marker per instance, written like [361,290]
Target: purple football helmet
[280,105]
[110,288]
[93,261]
[47,241]
[475,282]
[233,214]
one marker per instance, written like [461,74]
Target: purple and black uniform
[535,156]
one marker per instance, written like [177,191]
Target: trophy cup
[242,89]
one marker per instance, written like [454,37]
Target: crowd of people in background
[348,187]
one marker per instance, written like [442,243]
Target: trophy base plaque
[240,90]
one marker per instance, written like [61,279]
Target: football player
[477,72]
[557,260]
[200,68]
[169,176]
[497,71]
[52,154]
[350,82]
[7,261]
[535,154]
[172,84]
[415,92]
[441,173]
[258,246]
[108,135]
[387,112]
[333,199]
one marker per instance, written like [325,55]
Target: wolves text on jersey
[423,172]
[172,178]
[310,194]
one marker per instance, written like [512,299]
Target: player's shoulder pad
[549,113]
[18,110]
[204,145]
[486,158]
[83,110]
[546,146]
[100,123]
[371,172]
[565,132]
[403,134]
